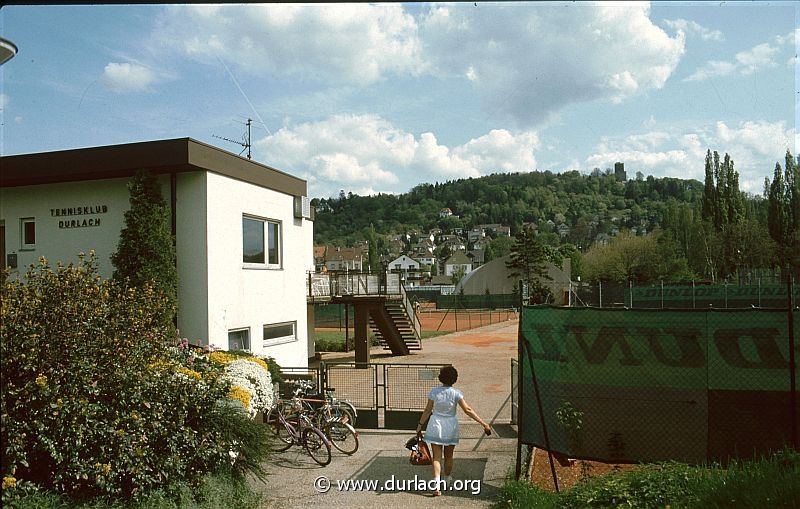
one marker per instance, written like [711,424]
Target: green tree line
[676,228]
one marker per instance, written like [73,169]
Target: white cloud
[528,62]
[757,58]
[745,62]
[531,62]
[694,28]
[790,38]
[18,120]
[366,152]
[754,147]
[344,42]
[127,77]
[4,100]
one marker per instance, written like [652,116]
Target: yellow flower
[9,482]
[222,357]
[134,416]
[41,381]
[240,394]
[190,373]
[104,468]
[260,362]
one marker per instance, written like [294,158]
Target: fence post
[759,292]
[726,293]
[630,289]
[693,301]
[600,286]
[792,365]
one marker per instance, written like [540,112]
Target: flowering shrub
[250,374]
[99,397]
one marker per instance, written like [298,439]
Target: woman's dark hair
[448,375]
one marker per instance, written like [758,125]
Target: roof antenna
[245,143]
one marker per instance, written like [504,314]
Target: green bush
[99,396]
[212,492]
[333,341]
[773,481]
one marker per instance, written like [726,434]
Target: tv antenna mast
[245,143]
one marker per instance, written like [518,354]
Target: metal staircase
[396,311]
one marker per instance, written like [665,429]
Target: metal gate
[390,396]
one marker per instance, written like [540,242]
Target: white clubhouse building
[243,232]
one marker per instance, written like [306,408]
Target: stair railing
[410,311]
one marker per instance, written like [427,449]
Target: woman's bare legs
[436,463]
[448,459]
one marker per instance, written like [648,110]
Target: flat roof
[160,157]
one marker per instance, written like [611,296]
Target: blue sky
[379,98]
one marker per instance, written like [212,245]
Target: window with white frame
[261,242]
[28,230]
[239,339]
[278,333]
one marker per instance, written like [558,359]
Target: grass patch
[215,491]
[766,482]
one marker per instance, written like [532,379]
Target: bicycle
[301,431]
[322,414]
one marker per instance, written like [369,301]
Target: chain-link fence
[759,293]
[645,385]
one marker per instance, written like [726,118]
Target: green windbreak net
[654,385]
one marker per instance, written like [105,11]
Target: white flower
[253,378]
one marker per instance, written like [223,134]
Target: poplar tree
[146,249]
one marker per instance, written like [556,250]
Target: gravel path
[482,357]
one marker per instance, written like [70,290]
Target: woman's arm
[425,414]
[475,417]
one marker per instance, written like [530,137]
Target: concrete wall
[240,295]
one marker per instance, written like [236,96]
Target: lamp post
[7,50]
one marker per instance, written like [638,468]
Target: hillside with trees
[640,229]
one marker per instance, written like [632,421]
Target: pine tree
[529,257]
[709,191]
[146,249]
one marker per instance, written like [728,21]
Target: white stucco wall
[191,249]
[53,240]
[240,296]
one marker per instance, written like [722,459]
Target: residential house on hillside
[403,264]
[481,244]
[345,258]
[427,259]
[319,258]
[476,233]
[477,256]
[424,245]
[563,229]
[457,262]
[445,212]
[454,243]
[602,239]
[408,267]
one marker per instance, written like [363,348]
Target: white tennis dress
[443,425]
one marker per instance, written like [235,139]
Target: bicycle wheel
[345,412]
[317,445]
[272,421]
[343,436]
[284,437]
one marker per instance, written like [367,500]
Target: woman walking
[442,432]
